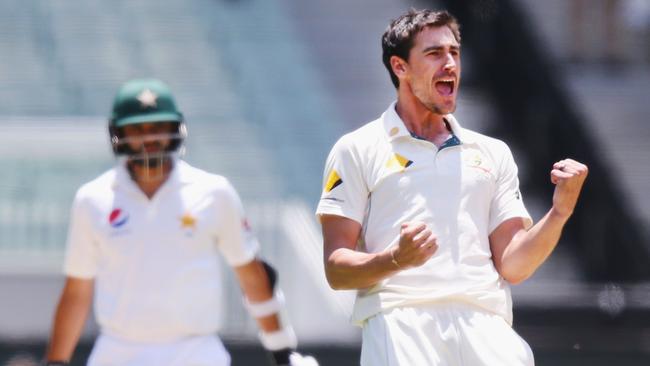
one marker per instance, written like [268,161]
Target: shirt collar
[395,127]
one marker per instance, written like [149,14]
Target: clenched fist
[568,176]
[416,245]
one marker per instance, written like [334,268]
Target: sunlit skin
[137,137]
[429,82]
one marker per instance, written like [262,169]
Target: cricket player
[144,239]
[425,218]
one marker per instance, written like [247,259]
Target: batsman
[143,243]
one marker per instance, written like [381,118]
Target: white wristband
[280,339]
[265,308]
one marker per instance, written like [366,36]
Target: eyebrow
[437,48]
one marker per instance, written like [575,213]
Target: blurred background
[268,86]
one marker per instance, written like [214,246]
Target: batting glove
[289,357]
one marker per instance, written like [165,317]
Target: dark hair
[398,38]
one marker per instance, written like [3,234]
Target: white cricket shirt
[381,176]
[157,275]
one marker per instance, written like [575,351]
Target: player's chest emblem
[397,162]
[477,161]
[118,218]
[188,223]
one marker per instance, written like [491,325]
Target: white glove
[296,359]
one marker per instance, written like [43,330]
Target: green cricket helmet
[144,101]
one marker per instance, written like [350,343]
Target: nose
[450,62]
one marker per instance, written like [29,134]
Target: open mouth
[445,86]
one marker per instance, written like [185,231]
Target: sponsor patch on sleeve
[333,181]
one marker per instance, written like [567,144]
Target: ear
[399,66]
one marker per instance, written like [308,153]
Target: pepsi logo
[118,218]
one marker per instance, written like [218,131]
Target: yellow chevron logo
[333,181]
[398,162]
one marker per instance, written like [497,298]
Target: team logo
[118,218]
[333,181]
[188,221]
[476,161]
[398,162]
[147,99]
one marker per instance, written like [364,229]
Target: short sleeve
[235,237]
[81,258]
[345,192]
[507,201]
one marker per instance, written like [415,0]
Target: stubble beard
[437,108]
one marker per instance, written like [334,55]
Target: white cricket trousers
[442,334]
[193,351]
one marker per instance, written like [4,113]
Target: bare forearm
[68,324]
[518,253]
[256,286]
[349,269]
[263,301]
[531,248]
[261,292]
